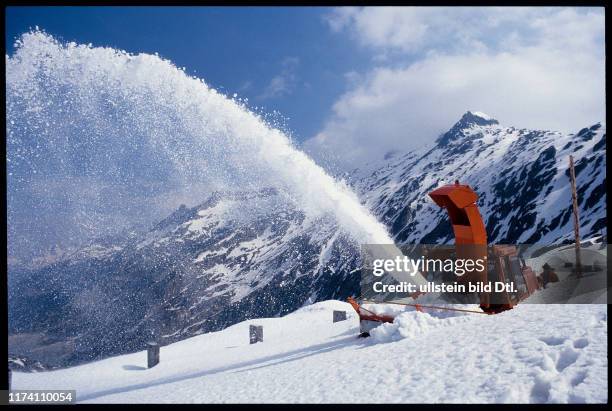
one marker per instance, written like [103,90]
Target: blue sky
[235,50]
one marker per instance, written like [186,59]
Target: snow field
[533,353]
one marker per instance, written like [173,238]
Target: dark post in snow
[152,354]
[339,316]
[576,216]
[9,380]
[256,333]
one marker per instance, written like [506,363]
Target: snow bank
[482,115]
[412,323]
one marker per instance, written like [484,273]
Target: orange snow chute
[460,202]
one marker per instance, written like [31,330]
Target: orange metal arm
[460,203]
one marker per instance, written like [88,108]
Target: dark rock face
[245,255]
[467,122]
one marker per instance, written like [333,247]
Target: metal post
[576,217]
[255,333]
[152,354]
[339,316]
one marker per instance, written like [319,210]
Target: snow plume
[98,139]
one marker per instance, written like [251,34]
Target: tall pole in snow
[576,217]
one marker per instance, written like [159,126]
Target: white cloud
[535,68]
[382,26]
[283,83]
[414,29]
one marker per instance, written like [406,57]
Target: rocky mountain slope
[521,176]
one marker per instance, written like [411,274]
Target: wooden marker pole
[576,216]
[152,354]
[255,333]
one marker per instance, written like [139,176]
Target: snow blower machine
[503,262]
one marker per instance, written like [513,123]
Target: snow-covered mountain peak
[469,124]
[479,117]
[475,118]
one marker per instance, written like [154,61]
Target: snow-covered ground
[533,353]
